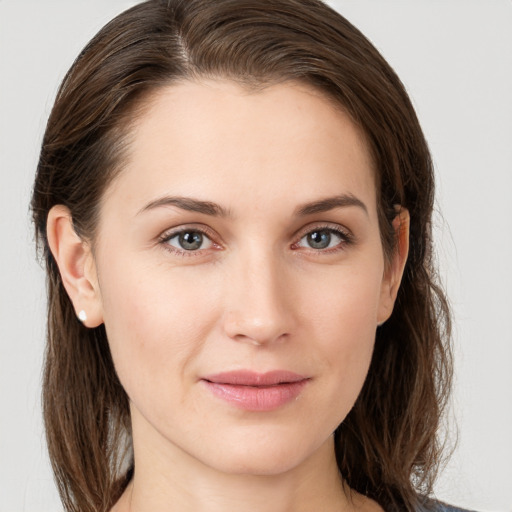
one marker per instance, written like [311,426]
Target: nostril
[258,322]
[260,339]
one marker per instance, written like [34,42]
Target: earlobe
[395,267]
[76,266]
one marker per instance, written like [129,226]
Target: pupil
[191,240]
[319,239]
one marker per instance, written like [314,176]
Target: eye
[189,240]
[325,238]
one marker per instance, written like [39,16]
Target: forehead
[285,142]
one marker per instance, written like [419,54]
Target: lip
[253,391]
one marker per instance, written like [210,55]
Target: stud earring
[82,316]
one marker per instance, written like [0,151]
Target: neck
[169,478]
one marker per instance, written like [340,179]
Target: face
[240,273]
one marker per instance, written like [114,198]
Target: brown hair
[387,448]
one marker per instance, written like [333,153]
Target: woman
[234,202]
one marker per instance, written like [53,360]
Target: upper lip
[251,378]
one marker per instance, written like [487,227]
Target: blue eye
[189,240]
[325,238]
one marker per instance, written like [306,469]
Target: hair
[388,447]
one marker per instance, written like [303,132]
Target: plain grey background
[455,58]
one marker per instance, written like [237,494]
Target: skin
[256,295]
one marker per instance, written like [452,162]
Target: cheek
[344,302]
[152,323]
[342,315]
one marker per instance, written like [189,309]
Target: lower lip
[257,398]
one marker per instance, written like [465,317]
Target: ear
[395,267]
[76,266]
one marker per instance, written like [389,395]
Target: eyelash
[346,237]
[167,236]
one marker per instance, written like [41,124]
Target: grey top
[442,507]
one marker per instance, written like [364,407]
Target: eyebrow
[330,203]
[214,209]
[187,203]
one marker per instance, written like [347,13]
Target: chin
[264,456]
[262,464]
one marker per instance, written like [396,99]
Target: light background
[455,58]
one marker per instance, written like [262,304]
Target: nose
[259,300]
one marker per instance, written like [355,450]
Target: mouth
[254,391]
